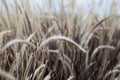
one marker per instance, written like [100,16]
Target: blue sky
[86,5]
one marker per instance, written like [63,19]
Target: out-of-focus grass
[58,45]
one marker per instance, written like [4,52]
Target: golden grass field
[58,46]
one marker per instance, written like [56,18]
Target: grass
[58,45]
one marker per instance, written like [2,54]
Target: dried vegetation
[58,46]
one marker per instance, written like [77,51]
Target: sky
[86,5]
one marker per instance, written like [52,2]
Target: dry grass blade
[90,65]
[6,75]
[66,60]
[41,75]
[28,39]
[37,70]
[71,78]
[29,23]
[101,47]
[93,29]
[28,65]
[92,34]
[29,77]
[60,38]
[48,77]
[10,43]
[16,63]
[101,22]
[53,51]
[111,72]
[48,32]
[116,67]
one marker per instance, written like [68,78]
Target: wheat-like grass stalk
[92,34]
[10,43]
[101,47]
[60,38]
[96,25]
[28,66]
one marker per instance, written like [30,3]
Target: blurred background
[98,7]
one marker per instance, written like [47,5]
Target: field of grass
[58,45]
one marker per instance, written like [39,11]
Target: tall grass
[58,45]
